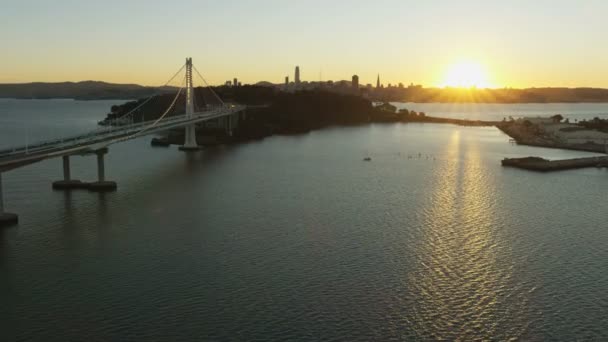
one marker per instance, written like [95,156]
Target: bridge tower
[190,130]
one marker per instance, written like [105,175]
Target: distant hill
[95,90]
[504,95]
[85,90]
[265,84]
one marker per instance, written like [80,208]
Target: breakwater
[544,165]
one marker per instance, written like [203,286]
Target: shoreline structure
[553,133]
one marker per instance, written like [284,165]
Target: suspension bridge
[96,142]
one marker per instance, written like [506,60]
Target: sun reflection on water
[458,280]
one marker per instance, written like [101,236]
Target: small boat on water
[159,142]
[367,159]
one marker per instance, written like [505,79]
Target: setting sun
[466,74]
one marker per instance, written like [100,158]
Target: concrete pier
[102,185]
[190,143]
[6,219]
[229,125]
[68,183]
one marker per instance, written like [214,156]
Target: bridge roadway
[91,142]
[97,142]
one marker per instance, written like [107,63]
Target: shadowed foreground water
[298,238]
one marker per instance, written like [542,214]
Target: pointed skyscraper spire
[378,82]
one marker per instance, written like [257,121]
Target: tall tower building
[235,83]
[286,82]
[378,82]
[297,79]
[355,82]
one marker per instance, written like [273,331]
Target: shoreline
[213,137]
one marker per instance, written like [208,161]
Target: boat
[367,159]
[159,142]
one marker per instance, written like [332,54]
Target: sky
[518,43]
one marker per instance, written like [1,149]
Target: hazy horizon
[279,83]
[517,45]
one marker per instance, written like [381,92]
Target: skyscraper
[378,82]
[235,83]
[297,79]
[355,82]
[286,82]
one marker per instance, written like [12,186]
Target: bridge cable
[154,95]
[213,92]
[165,113]
[157,120]
[9,150]
[194,104]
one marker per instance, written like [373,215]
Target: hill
[85,90]
[504,95]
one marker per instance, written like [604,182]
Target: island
[277,112]
[273,112]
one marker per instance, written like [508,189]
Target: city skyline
[519,44]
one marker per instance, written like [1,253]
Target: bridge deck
[88,142]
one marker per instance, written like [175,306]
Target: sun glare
[466,74]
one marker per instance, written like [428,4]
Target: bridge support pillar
[66,167]
[67,183]
[228,119]
[190,139]
[102,185]
[6,219]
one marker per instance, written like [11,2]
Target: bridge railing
[103,134]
